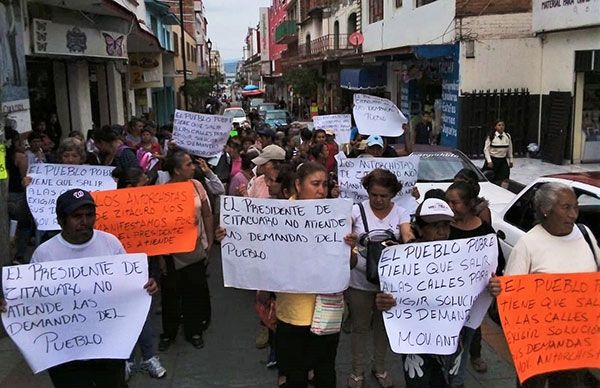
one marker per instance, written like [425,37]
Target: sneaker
[164,344]
[383,379]
[272,361]
[154,368]
[128,369]
[356,381]
[262,337]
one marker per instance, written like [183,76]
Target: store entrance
[590,118]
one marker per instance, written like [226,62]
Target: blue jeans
[145,340]
[459,378]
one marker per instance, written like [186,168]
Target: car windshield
[234,113]
[275,116]
[443,166]
[266,107]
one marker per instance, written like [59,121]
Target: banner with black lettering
[439,287]
[78,309]
[286,246]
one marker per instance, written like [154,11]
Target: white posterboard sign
[340,124]
[352,170]
[377,116]
[201,134]
[435,285]
[286,246]
[79,309]
[49,181]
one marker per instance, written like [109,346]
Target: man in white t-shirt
[76,214]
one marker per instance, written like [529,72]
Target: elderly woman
[554,245]
[378,213]
[71,151]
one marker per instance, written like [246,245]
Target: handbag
[373,241]
[329,310]
[267,312]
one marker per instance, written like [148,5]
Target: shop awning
[363,78]
[252,93]
[431,51]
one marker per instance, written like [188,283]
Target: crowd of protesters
[296,163]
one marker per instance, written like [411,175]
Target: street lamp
[209,47]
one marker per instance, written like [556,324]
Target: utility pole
[4,220]
[185,96]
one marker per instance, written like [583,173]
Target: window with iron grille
[375,10]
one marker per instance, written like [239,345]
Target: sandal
[355,381]
[384,379]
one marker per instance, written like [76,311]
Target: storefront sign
[13,74]
[551,15]
[449,113]
[264,34]
[65,39]
[146,70]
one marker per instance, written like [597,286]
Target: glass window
[589,210]
[443,166]
[398,3]
[375,10]
[522,214]
[175,43]
[421,3]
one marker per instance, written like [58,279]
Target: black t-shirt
[481,230]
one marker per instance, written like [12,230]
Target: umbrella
[250,93]
[250,87]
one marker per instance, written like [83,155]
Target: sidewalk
[526,170]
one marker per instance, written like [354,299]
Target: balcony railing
[333,44]
[286,32]
[309,6]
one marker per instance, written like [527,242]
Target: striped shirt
[499,147]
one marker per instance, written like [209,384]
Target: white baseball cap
[434,210]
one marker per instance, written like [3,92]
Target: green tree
[198,90]
[305,83]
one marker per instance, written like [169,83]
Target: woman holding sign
[432,223]
[184,290]
[298,348]
[555,245]
[378,213]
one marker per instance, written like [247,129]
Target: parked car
[277,118]
[517,218]
[438,166]
[264,107]
[237,114]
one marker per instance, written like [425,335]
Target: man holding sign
[76,213]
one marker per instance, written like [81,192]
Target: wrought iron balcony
[331,45]
[286,32]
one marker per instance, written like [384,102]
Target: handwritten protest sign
[377,116]
[352,170]
[49,181]
[201,134]
[287,246]
[78,309]
[3,170]
[155,220]
[435,285]
[340,124]
[551,321]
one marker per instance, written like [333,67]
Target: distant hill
[230,66]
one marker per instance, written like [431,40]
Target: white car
[238,115]
[518,217]
[438,166]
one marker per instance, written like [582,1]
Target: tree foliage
[304,81]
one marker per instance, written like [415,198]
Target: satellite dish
[356,39]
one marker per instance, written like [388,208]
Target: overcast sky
[228,22]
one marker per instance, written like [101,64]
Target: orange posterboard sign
[551,321]
[155,220]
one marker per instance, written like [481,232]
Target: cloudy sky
[228,22]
